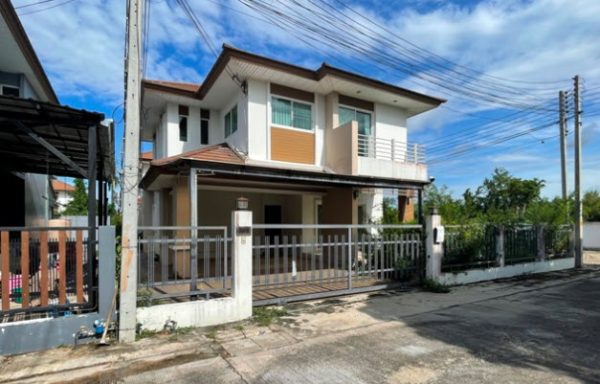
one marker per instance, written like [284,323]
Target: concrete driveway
[539,329]
[544,329]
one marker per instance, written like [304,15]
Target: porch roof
[45,138]
[222,161]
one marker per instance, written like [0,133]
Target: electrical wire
[47,8]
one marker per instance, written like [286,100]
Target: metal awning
[39,137]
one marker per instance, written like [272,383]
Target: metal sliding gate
[302,262]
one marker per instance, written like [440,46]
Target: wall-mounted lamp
[241,204]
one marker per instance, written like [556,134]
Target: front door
[273,216]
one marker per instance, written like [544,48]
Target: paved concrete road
[545,334]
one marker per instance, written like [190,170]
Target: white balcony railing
[390,149]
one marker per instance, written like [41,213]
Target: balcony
[351,153]
[390,149]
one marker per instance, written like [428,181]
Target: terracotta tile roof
[58,185]
[173,85]
[218,153]
[146,156]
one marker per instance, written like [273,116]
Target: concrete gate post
[241,223]
[541,242]
[500,245]
[435,250]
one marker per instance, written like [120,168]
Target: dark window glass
[205,114]
[183,128]
[203,131]
[10,91]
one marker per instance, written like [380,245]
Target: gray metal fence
[477,247]
[296,259]
[179,262]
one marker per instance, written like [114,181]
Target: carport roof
[24,124]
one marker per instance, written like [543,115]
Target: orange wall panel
[292,146]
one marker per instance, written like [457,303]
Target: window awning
[39,137]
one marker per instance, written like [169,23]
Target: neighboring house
[63,195]
[304,146]
[22,76]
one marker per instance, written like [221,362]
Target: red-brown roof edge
[230,52]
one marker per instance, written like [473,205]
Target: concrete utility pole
[563,143]
[578,202]
[129,256]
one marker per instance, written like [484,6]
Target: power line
[328,27]
[47,8]
[34,4]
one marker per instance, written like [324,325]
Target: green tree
[78,206]
[451,210]
[591,206]
[503,198]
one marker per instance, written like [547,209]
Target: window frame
[292,101]
[2,86]
[228,117]
[184,114]
[205,117]
[371,113]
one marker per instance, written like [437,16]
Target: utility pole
[578,207]
[129,185]
[563,143]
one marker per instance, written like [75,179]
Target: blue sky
[81,45]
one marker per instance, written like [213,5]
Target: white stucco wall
[390,123]
[27,91]
[320,123]
[37,200]
[239,139]
[257,119]
[477,275]
[386,168]
[174,145]
[591,235]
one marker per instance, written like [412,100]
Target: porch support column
[420,202]
[194,228]
[91,176]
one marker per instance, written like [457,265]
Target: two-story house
[304,146]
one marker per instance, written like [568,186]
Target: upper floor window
[363,119]
[9,90]
[231,121]
[291,113]
[184,112]
[204,119]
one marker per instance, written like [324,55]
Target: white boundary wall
[477,275]
[204,313]
[591,235]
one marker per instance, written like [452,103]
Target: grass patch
[265,316]
[144,334]
[239,327]
[435,287]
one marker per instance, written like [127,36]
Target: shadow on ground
[554,329]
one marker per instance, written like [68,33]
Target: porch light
[241,204]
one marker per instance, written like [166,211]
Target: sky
[533,47]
